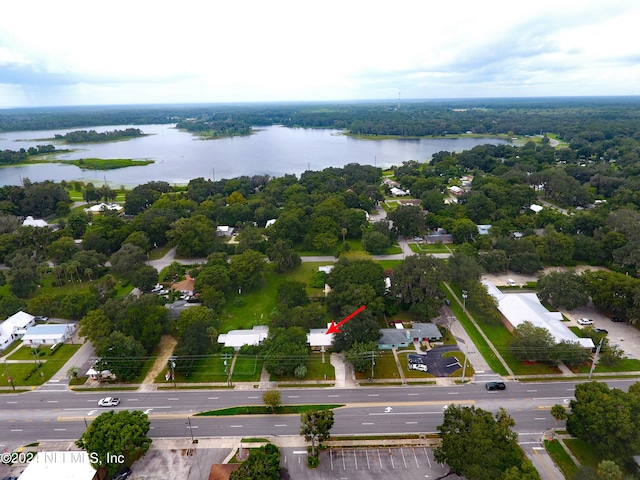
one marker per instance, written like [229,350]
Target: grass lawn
[316,370]
[385,367]
[431,248]
[264,410]
[50,364]
[478,340]
[389,264]
[247,368]
[583,452]
[561,457]
[158,253]
[205,370]
[626,365]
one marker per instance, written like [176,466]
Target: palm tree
[559,413]
[344,234]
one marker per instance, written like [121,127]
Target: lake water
[180,156]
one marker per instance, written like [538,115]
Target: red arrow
[333,328]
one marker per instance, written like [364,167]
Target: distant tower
[398,100]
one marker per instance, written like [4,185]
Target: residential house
[239,338]
[318,339]
[186,286]
[50,334]
[104,207]
[31,222]
[224,230]
[14,328]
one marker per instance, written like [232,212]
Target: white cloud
[147,51]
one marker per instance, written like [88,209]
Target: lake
[180,156]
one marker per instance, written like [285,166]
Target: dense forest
[91,136]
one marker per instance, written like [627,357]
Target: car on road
[123,474]
[585,321]
[495,386]
[617,319]
[109,402]
[600,330]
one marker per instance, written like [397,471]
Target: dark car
[495,386]
[123,474]
[418,359]
[617,319]
[600,330]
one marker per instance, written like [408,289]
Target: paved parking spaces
[374,463]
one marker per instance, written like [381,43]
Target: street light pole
[172,363]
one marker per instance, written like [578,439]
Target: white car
[512,283]
[108,402]
[585,321]
[418,366]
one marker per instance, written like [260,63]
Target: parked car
[123,474]
[617,319]
[418,359]
[585,321]
[495,386]
[512,283]
[600,330]
[109,402]
[421,367]
[40,318]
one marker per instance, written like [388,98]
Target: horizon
[330,102]
[286,52]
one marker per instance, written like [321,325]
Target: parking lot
[366,463]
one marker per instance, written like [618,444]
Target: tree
[112,434]
[145,278]
[261,464]
[316,427]
[271,399]
[532,343]
[558,412]
[196,314]
[127,260]
[292,293]
[562,290]
[463,230]
[362,355]
[363,328]
[247,269]
[375,242]
[464,269]
[415,284]
[194,236]
[285,350]
[282,254]
[609,470]
[607,419]
[95,326]
[408,220]
[122,355]
[478,445]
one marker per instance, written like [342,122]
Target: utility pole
[464,299]
[6,365]
[172,364]
[464,367]
[595,358]
[373,362]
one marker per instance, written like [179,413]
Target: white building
[224,230]
[518,308]
[104,207]
[239,338]
[31,222]
[398,192]
[318,339]
[64,465]
[15,327]
[50,334]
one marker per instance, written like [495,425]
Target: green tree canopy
[112,434]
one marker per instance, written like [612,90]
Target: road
[40,415]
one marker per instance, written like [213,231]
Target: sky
[75,52]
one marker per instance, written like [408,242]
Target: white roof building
[51,334]
[224,230]
[31,222]
[239,338]
[101,207]
[317,338]
[526,307]
[270,222]
[14,327]
[536,208]
[67,465]
[398,192]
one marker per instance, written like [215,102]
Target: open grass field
[247,368]
[316,370]
[431,248]
[583,452]
[23,374]
[561,457]
[206,369]
[385,368]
